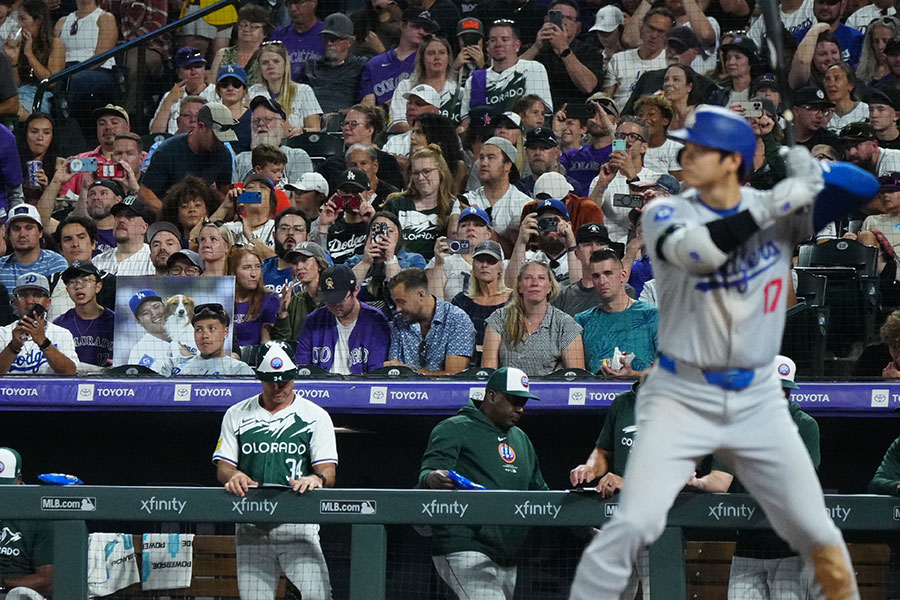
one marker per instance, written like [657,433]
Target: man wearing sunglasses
[624,167]
[862,149]
[211,324]
[483,445]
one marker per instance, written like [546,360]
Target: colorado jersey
[272,449]
[504,88]
[737,312]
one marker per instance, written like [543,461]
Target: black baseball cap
[335,283]
[858,131]
[763,82]
[481,121]
[109,184]
[590,232]
[421,17]
[354,177]
[541,136]
[683,37]
[812,96]
[883,95]
[135,206]
[79,268]
[270,104]
[744,45]
[470,25]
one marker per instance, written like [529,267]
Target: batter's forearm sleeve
[701,249]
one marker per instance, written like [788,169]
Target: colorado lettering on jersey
[273,447]
[301,56]
[742,268]
[504,95]
[387,86]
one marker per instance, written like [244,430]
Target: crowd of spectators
[475,172]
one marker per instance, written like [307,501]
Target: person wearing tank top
[88,32]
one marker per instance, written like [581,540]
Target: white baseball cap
[426,93]
[786,370]
[511,381]
[552,185]
[25,211]
[309,182]
[10,466]
[608,18]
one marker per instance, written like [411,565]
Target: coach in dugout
[277,438]
[483,444]
[26,551]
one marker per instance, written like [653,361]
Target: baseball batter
[279,439]
[721,255]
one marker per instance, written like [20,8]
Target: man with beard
[335,77]
[542,153]
[111,121]
[444,341]
[582,164]
[861,148]
[131,256]
[164,240]
[290,230]
[101,197]
[548,231]
[268,127]
[24,230]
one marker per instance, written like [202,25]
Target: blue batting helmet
[719,128]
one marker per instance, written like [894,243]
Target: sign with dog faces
[153,318]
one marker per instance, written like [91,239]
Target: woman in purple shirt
[254,307]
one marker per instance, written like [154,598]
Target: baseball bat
[777,61]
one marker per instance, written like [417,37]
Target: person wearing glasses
[598,118]
[529,331]
[624,167]
[185,263]
[508,78]
[290,230]
[691,14]
[299,101]
[31,345]
[335,77]
[253,27]
[211,323]
[812,109]
[383,72]
[90,324]
[572,65]
[480,562]
[361,125]
[191,72]
[626,67]
[344,336]
[424,206]
[231,90]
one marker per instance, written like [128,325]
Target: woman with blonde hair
[297,99]
[872,61]
[213,243]
[423,208]
[529,332]
[487,291]
[434,67]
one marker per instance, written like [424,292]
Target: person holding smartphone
[345,217]
[31,345]
[253,210]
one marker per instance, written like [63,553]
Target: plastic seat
[316,144]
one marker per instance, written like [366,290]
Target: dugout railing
[368,511]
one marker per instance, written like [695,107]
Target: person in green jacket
[298,298]
[887,478]
[483,444]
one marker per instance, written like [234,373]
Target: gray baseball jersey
[737,313]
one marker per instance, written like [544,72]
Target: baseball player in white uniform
[277,438]
[721,256]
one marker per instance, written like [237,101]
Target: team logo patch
[507,453]
[146,360]
[664,213]
[276,363]
[2,467]
[525,381]
[31,278]
[784,370]
[329,283]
